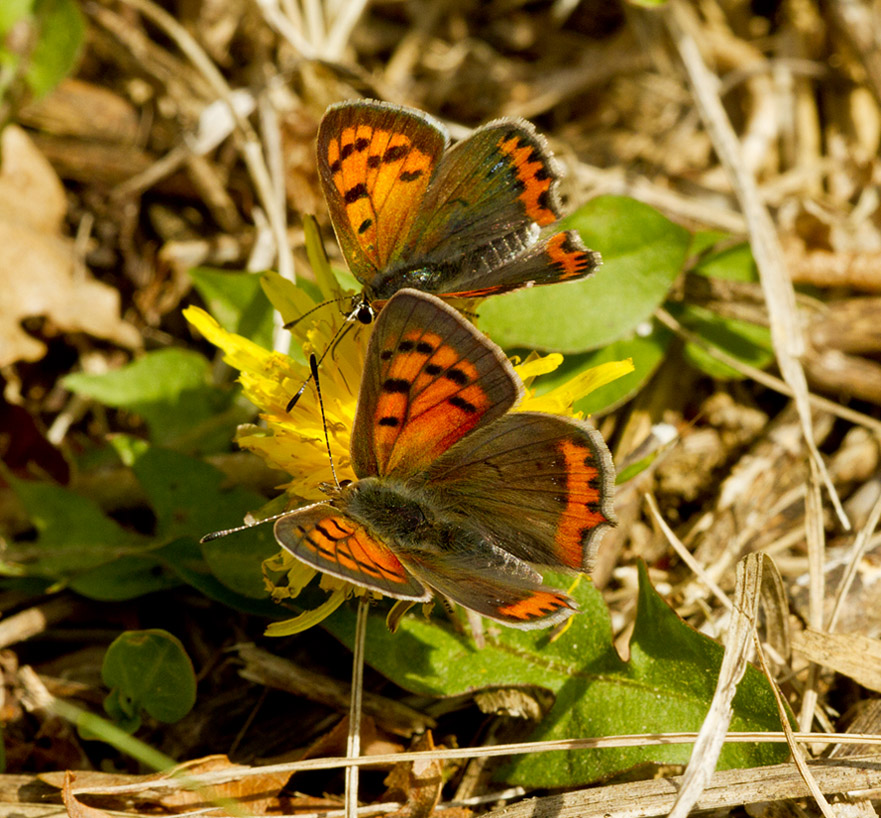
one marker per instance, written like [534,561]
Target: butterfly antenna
[292,324]
[331,347]
[216,535]
[313,365]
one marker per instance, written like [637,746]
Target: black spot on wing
[389,420]
[464,405]
[395,153]
[396,385]
[356,192]
[457,376]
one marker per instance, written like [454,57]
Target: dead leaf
[41,278]
[418,783]
[75,808]
[850,654]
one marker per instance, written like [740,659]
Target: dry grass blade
[785,329]
[797,755]
[747,593]
[726,789]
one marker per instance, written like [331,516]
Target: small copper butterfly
[465,221]
[456,495]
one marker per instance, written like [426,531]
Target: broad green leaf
[747,342]
[667,684]
[171,389]
[184,557]
[188,498]
[642,251]
[730,263]
[75,537]
[237,301]
[645,348]
[125,578]
[61,30]
[150,671]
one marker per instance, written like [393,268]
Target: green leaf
[189,500]
[237,301]
[171,389]
[148,670]
[13,11]
[642,251]
[61,31]
[742,340]
[645,350]
[124,578]
[731,263]
[666,686]
[184,556]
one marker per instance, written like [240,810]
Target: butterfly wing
[560,257]
[539,486]
[490,582]
[375,161]
[430,378]
[498,181]
[332,542]
[482,214]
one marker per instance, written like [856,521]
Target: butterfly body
[456,495]
[465,221]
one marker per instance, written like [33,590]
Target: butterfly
[466,221]
[456,495]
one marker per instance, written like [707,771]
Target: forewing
[539,486]
[499,181]
[430,379]
[375,161]
[332,542]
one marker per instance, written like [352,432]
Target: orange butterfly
[463,222]
[456,495]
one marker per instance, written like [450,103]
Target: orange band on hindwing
[540,604]
[535,176]
[570,259]
[583,511]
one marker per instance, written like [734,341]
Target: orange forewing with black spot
[374,171]
[430,379]
[463,221]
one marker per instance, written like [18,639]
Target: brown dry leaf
[75,808]
[419,783]
[333,743]
[850,654]
[40,276]
[257,794]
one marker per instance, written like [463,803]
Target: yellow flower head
[294,442]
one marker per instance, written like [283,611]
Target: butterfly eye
[344,483]
[365,314]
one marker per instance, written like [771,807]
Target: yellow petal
[561,399]
[307,619]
